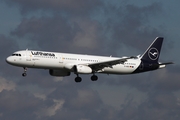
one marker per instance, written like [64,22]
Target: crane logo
[153,54]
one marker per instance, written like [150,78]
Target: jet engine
[59,72]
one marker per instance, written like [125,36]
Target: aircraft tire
[78,79]
[24,74]
[94,77]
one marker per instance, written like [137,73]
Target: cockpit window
[16,54]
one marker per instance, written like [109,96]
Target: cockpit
[16,58]
[15,54]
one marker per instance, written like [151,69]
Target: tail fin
[153,52]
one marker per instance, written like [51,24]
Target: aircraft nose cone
[8,60]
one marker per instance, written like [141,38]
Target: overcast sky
[99,27]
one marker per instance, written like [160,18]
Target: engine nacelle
[59,73]
[83,69]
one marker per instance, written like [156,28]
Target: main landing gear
[94,77]
[79,79]
[24,74]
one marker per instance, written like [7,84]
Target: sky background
[98,27]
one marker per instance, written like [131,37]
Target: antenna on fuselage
[26,49]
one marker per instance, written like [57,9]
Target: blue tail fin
[153,52]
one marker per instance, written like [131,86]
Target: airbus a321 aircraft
[62,64]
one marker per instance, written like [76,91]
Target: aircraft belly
[48,64]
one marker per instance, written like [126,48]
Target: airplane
[63,64]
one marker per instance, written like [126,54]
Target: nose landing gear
[24,74]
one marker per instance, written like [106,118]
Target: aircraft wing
[100,65]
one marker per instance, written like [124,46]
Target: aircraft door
[28,58]
[61,59]
[28,55]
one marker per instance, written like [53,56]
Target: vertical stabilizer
[153,52]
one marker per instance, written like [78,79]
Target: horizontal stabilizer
[162,65]
[167,63]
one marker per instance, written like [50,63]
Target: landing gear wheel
[78,79]
[94,78]
[24,74]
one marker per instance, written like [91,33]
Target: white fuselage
[54,60]
[62,64]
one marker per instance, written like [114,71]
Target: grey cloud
[47,32]
[141,81]
[6,85]
[65,104]
[7,44]
[168,79]
[158,105]
[161,99]
[86,99]
[15,105]
[128,23]
[78,7]
[80,102]
[104,113]
[49,111]
[131,25]
[7,47]
[88,36]
[57,33]
[69,100]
